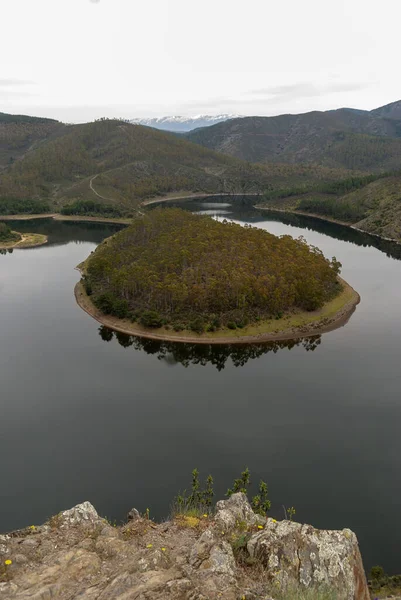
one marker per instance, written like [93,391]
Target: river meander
[90,415]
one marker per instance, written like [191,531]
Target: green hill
[390,111]
[372,204]
[20,133]
[110,166]
[343,139]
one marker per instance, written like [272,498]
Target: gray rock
[84,513]
[296,555]
[20,559]
[222,561]
[213,555]
[235,511]
[30,543]
[201,549]
[133,515]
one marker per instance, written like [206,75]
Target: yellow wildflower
[260,526]
[8,562]
[149,546]
[274,521]
[163,549]
[205,516]
[32,527]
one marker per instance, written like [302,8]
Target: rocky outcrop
[78,555]
[299,555]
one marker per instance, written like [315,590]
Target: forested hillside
[20,133]
[370,203]
[191,272]
[110,166]
[344,138]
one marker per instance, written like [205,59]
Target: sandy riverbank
[27,240]
[333,315]
[59,217]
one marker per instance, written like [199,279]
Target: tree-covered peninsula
[184,271]
[12,239]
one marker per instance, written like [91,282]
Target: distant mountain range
[183,124]
[344,138]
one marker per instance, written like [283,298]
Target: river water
[88,415]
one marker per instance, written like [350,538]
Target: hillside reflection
[203,354]
[242,210]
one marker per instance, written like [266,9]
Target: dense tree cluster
[190,271]
[90,208]
[333,207]
[6,235]
[14,206]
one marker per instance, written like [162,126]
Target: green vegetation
[198,502]
[7,118]
[15,206]
[91,208]
[183,270]
[383,585]
[372,203]
[342,139]
[260,503]
[123,164]
[6,235]
[20,134]
[340,187]
[114,163]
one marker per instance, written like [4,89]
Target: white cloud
[130,58]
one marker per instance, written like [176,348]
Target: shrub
[197,325]
[91,208]
[151,318]
[87,286]
[120,308]
[231,325]
[199,501]
[105,303]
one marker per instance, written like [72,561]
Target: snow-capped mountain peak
[182,124]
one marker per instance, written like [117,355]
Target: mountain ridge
[181,124]
[342,138]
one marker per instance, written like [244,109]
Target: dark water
[88,415]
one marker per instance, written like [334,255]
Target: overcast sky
[78,60]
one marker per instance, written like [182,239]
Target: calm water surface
[88,415]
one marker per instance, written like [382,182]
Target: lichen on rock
[80,556]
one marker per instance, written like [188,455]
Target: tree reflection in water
[203,354]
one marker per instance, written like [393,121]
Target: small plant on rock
[261,503]
[198,502]
[241,484]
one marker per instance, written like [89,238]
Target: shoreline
[314,323]
[150,201]
[28,240]
[126,221]
[60,217]
[327,220]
